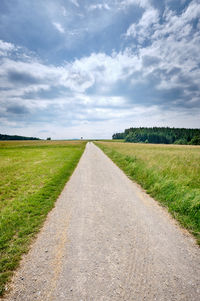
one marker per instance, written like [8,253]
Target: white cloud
[98,6]
[22,83]
[174,46]
[59,27]
[90,122]
[141,3]
[97,69]
[145,26]
[149,26]
[103,70]
[178,24]
[75,2]
[5,47]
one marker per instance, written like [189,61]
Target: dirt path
[107,240]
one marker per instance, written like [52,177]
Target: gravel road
[107,240]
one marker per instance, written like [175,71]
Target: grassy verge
[31,178]
[168,173]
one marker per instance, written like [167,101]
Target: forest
[160,135]
[15,137]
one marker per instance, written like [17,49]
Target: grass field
[32,175]
[169,173]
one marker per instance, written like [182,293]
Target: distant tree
[16,137]
[118,136]
[163,135]
[182,141]
[49,138]
[133,137]
[195,140]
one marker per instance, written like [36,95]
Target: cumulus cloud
[145,26]
[106,69]
[97,69]
[147,23]
[174,45]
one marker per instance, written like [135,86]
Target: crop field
[32,175]
[169,173]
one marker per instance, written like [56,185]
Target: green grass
[32,175]
[169,173]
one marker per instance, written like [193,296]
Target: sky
[84,68]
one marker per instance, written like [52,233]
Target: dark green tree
[165,135]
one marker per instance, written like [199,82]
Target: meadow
[32,175]
[169,173]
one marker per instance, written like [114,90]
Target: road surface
[107,240]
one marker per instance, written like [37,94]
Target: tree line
[165,135]
[16,137]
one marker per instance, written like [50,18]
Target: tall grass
[169,173]
[31,178]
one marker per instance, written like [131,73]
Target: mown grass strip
[21,216]
[169,174]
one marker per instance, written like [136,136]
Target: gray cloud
[23,78]
[148,60]
[17,109]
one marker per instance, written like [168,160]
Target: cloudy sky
[72,68]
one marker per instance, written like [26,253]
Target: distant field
[169,173]
[110,140]
[16,143]
[32,175]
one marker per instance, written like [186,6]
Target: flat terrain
[107,240]
[169,173]
[32,175]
